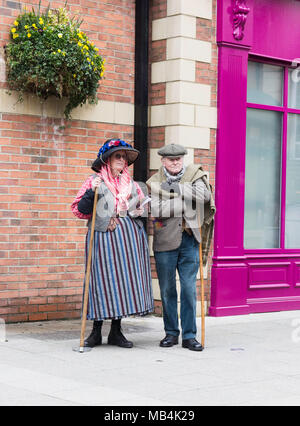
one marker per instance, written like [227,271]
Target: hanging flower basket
[49,55]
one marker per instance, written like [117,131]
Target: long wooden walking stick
[87,275]
[202,290]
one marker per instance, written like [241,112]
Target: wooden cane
[87,276]
[202,291]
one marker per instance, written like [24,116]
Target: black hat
[111,146]
[172,150]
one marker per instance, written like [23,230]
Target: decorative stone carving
[239,17]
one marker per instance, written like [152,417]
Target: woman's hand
[112,224]
[96,183]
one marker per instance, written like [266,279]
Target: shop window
[272,175]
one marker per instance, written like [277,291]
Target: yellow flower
[88,59]
[85,47]
[15,35]
[79,44]
[74,75]
[28,35]
[13,30]
[41,21]
[58,50]
[16,23]
[34,26]
[101,74]
[26,27]
[96,48]
[64,53]
[59,35]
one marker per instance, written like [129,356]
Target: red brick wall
[42,166]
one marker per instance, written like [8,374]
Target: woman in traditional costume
[120,280]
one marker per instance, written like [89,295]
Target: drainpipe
[141,88]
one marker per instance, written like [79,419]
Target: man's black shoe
[192,344]
[169,341]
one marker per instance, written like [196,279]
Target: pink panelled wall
[245,281]
[276,30]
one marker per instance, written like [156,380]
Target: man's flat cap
[172,150]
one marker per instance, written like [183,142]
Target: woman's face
[118,161]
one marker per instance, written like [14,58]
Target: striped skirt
[120,280]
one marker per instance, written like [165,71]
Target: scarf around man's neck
[173,178]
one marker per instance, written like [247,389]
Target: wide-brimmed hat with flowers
[111,146]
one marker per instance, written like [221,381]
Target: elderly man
[181,200]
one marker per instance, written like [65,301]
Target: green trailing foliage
[49,55]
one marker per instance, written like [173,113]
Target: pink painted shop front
[256,261]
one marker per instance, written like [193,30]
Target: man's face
[173,164]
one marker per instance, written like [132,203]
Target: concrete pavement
[248,360]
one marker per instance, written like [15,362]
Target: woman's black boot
[116,336]
[95,338]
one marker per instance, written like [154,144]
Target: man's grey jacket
[190,206]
